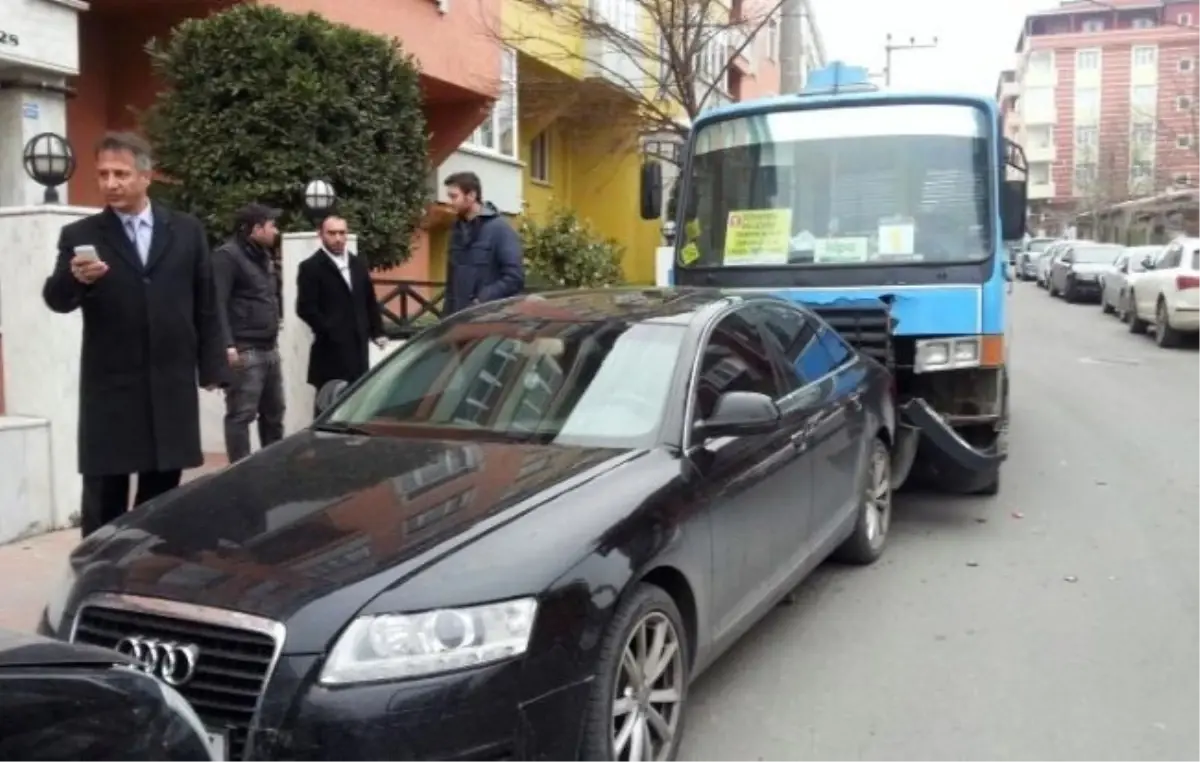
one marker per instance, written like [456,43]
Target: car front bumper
[482,713]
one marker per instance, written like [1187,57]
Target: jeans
[256,392]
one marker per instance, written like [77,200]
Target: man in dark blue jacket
[485,261]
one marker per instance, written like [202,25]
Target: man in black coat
[142,276]
[335,297]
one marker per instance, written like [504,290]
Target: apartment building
[1104,100]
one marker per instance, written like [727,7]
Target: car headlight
[946,354]
[395,646]
[56,604]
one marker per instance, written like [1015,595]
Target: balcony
[1040,153]
[1009,89]
[1035,116]
[1039,191]
[611,43]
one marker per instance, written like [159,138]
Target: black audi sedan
[520,536]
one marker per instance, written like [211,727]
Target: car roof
[672,306]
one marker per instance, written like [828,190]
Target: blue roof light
[837,77]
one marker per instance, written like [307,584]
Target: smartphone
[87,253]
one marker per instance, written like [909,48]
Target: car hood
[21,650]
[319,524]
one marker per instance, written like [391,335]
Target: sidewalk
[30,568]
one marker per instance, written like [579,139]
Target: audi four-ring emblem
[174,663]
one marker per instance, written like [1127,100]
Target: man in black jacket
[248,289]
[141,276]
[335,297]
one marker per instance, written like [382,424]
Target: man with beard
[335,297]
[248,288]
[485,262]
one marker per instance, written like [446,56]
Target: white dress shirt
[343,265]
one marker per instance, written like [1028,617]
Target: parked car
[520,536]
[1167,294]
[1027,259]
[65,701]
[1115,281]
[1045,259]
[1075,271]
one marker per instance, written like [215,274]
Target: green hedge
[257,102]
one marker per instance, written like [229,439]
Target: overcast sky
[976,38]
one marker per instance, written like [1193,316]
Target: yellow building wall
[544,36]
[597,176]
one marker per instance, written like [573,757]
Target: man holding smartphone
[142,277]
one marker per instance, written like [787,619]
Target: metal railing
[409,305]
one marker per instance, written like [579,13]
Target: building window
[1041,61]
[1143,22]
[773,39]
[1040,137]
[1185,19]
[539,158]
[1087,104]
[1145,55]
[1186,64]
[1141,170]
[1087,137]
[1142,135]
[498,132]
[1039,173]
[1183,179]
[1085,176]
[1143,101]
[1087,60]
[1183,103]
[1184,141]
[1092,25]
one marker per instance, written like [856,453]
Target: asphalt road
[1059,620]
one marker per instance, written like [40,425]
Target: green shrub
[564,252]
[257,102]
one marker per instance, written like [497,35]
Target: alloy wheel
[648,701]
[878,498]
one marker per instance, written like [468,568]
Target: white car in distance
[1167,295]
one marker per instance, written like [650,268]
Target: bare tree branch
[656,64]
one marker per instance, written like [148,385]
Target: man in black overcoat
[335,297]
[142,276]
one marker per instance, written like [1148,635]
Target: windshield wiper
[341,427]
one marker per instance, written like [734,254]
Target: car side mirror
[739,414]
[1148,263]
[651,190]
[330,393]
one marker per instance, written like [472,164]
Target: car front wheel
[865,545]
[635,711]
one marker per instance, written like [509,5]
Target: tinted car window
[735,359]
[810,348]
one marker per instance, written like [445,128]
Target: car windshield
[1096,255]
[1036,246]
[848,186]
[597,383]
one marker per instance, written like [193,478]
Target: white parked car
[1114,283]
[1167,295]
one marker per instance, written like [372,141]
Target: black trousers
[106,498]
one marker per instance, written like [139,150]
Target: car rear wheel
[1105,307]
[1164,335]
[865,545]
[635,711]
